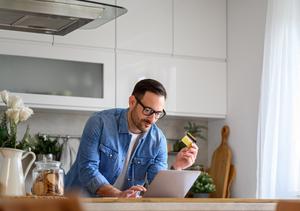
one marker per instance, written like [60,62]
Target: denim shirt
[102,152]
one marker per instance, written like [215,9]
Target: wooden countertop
[178,204]
[176,200]
[151,200]
[163,204]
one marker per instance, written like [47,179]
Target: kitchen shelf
[172,153]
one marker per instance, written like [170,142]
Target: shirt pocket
[140,166]
[108,159]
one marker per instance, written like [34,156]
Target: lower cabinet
[195,87]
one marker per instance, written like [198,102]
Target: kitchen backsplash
[173,128]
[68,123]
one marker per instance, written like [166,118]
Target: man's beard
[140,123]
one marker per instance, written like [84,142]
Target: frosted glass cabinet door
[60,84]
[195,88]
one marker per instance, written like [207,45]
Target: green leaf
[203,184]
[196,130]
[46,145]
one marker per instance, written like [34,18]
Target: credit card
[188,140]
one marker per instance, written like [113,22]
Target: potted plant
[47,148]
[203,186]
[195,130]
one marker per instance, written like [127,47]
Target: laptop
[171,184]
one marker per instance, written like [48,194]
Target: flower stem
[13,134]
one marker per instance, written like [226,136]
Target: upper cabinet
[200,28]
[25,36]
[60,78]
[103,36]
[195,88]
[180,43]
[147,26]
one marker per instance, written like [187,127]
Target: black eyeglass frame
[151,111]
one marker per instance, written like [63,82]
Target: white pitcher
[12,179]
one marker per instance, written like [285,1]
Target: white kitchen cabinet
[15,36]
[103,36]
[200,28]
[195,88]
[147,26]
[60,78]
[132,68]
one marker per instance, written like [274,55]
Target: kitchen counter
[178,204]
[149,204]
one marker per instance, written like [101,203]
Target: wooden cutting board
[231,177]
[220,165]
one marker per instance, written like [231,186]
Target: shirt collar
[123,123]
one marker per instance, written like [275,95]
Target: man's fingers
[126,193]
[194,146]
[194,154]
[138,188]
[189,156]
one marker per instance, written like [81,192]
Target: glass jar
[48,178]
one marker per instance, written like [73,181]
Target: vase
[200,195]
[12,178]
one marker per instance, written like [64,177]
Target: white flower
[4,96]
[25,113]
[15,102]
[13,115]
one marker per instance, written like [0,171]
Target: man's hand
[132,192]
[185,157]
[111,191]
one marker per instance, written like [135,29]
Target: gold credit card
[188,140]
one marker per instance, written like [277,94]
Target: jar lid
[48,164]
[45,157]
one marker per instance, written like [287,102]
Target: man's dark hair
[149,85]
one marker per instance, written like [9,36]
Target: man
[120,149]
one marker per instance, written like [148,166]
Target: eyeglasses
[149,111]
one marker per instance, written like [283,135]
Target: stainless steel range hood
[55,17]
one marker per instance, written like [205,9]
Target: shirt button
[110,155]
[139,162]
[128,179]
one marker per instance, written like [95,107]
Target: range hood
[55,17]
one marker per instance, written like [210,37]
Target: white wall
[245,25]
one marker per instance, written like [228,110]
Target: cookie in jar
[48,179]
